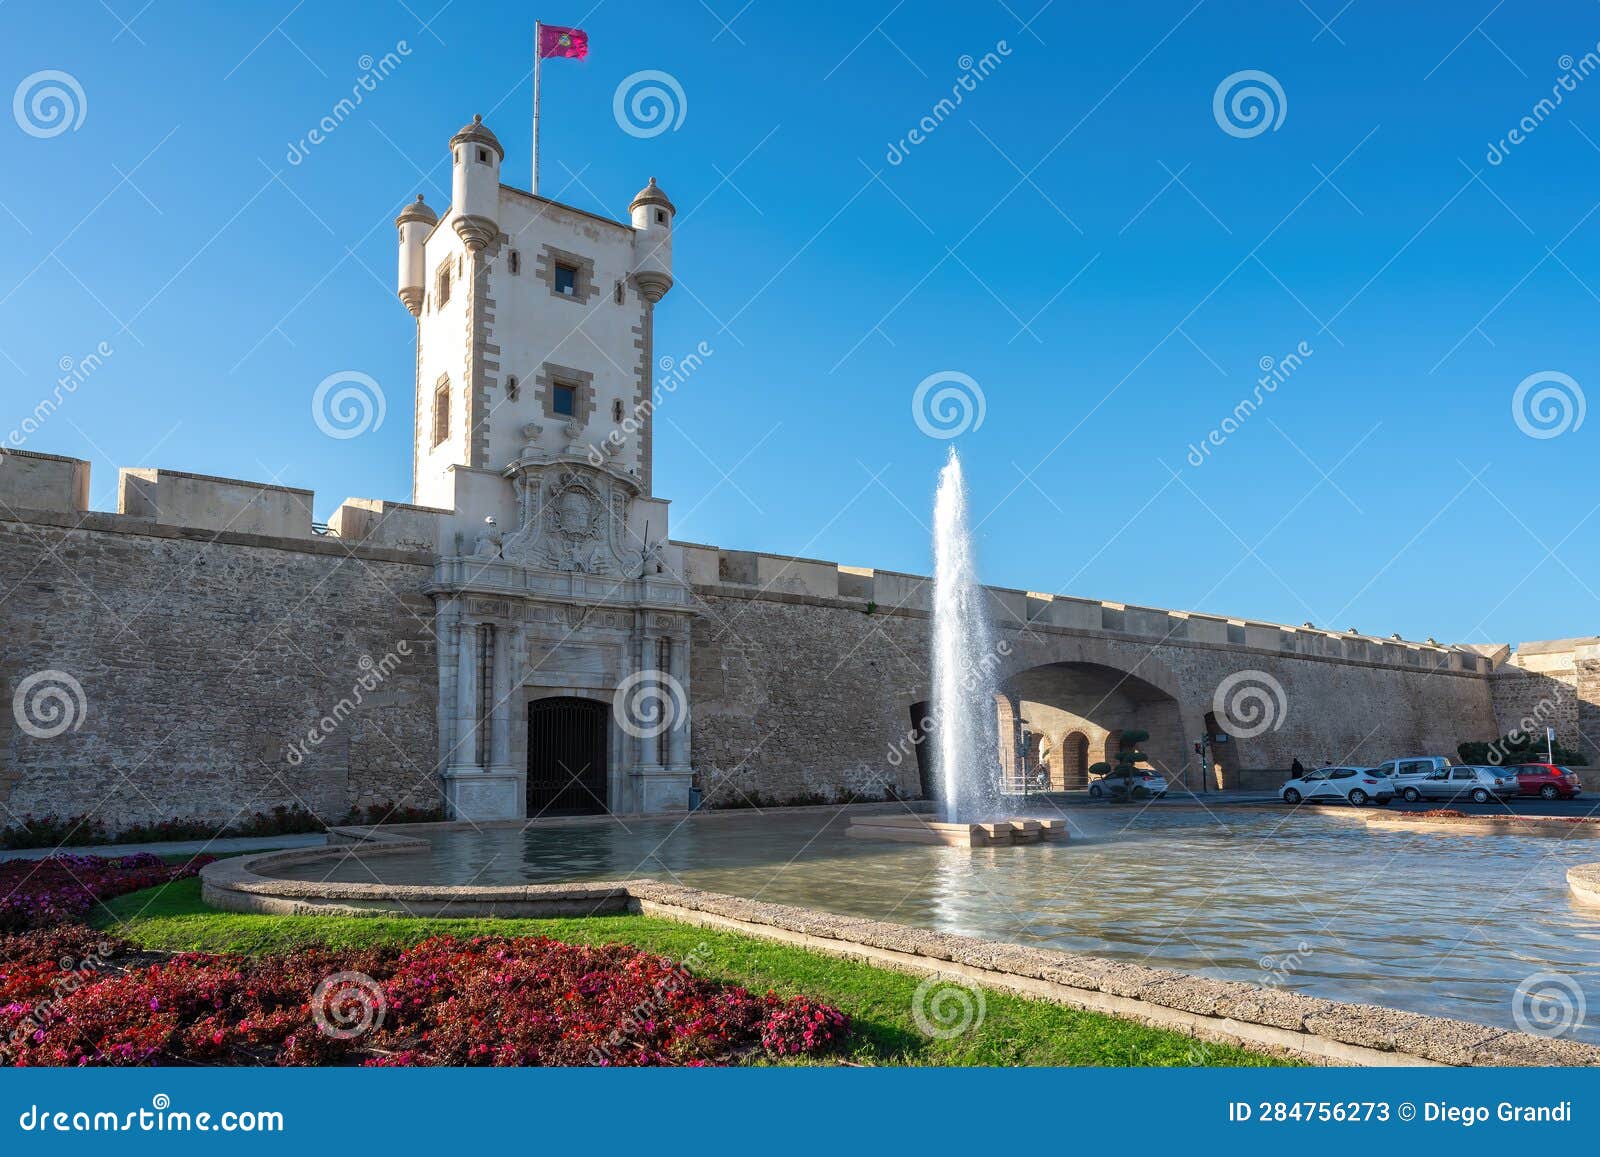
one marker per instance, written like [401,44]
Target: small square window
[566,279]
[566,400]
[483,156]
[661,216]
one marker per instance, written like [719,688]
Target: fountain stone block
[913,829]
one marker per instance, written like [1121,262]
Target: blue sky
[1081,237]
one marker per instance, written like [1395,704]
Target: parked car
[1412,766]
[1547,781]
[1479,784]
[1120,785]
[1354,785]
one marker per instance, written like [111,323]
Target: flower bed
[487,1001]
[42,893]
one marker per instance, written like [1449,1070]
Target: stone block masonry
[206,661]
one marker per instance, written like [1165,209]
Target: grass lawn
[1014,1030]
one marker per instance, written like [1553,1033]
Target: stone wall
[798,695]
[203,658]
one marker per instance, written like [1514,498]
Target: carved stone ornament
[575,521]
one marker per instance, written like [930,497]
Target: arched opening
[567,756]
[1090,705]
[1075,761]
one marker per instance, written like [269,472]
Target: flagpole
[538,55]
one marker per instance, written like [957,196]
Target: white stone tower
[534,416]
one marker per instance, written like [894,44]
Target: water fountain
[965,738]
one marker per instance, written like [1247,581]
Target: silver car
[1479,784]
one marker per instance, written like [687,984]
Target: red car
[1547,781]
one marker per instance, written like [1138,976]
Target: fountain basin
[922,830]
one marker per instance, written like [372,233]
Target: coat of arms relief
[573,519]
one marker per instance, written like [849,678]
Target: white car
[1138,783]
[1354,785]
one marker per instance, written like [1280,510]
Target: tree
[1517,747]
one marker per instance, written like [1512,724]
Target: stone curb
[1283,1023]
[1584,881]
[1556,826]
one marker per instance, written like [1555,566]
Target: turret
[475,183]
[652,242]
[414,224]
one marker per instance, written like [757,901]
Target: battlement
[48,482]
[883,591]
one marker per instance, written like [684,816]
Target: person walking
[1297,769]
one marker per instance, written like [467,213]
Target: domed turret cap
[478,133]
[417,211]
[651,194]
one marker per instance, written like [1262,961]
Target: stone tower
[534,412]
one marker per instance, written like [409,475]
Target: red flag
[570,42]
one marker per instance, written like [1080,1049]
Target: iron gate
[566,756]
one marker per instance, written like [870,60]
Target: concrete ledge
[1283,1023]
[1557,826]
[1584,880]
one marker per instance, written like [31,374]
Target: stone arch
[1097,702]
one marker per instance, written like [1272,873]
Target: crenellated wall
[207,651]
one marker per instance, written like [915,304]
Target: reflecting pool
[1436,923]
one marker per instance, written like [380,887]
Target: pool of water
[1435,923]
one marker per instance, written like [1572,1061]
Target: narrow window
[566,279]
[441,412]
[443,294]
[661,216]
[515,262]
[511,388]
[616,410]
[566,400]
[618,292]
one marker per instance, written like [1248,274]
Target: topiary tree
[1127,757]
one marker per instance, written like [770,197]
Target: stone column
[500,704]
[465,753]
[649,739]
[678,738]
